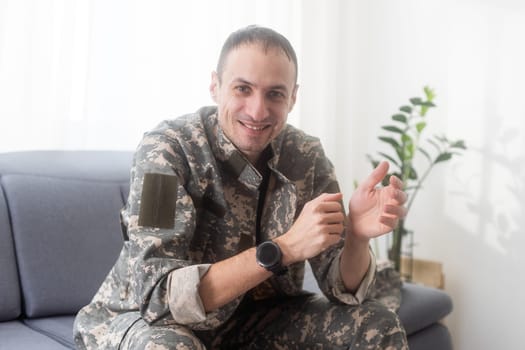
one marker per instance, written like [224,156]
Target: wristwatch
[269,256]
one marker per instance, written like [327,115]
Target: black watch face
[269,254]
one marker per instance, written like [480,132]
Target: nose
[256,107]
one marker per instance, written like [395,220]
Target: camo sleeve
[325,266]
[337,286]
[163,268]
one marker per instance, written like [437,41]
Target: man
[225,206]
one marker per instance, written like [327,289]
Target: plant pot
[425,272]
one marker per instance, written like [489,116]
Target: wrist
[356,243]
[287,256]
[354,236]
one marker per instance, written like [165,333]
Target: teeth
[254,127]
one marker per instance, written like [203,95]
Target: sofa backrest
[64,218]
[10,306]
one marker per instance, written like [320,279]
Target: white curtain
[79,74]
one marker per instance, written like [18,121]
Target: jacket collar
[226,152]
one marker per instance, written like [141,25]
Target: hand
[318,227]
[374,211]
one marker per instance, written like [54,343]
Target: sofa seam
[63,177]
[50,335]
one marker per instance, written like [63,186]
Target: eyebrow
[273,87]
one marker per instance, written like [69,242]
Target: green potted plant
[405,138]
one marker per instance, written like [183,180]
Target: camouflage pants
[304,322]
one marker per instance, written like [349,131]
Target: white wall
[96,74]
[470,215]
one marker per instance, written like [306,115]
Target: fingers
[394,206]
[392,214]
[376,176]
[326,202]
[396,182]
[330,197]
[398,196]
[318,227]
[390,222]
[334,229]
[329,207]
[327,212]
[395,211]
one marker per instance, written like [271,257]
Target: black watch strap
[278,269]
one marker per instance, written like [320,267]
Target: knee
[378,325]
[148,337]
[378,314]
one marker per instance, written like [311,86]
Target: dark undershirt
[262,166]
[267,288]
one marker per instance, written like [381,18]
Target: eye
[276,95]
[243,89]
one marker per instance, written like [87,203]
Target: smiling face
[254,95]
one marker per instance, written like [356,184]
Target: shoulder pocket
[158,201]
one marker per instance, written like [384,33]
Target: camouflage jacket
[193,201]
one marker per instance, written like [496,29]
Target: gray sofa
[60,234]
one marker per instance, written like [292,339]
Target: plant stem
[418,186]
[395,251]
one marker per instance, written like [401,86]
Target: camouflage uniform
[193,201]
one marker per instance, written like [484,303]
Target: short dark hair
[253,34]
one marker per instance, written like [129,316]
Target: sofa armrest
[422,306]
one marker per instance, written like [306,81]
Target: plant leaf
[408,144]
[389,158]
[458,144]
[409,151]
[429,93]
[405,138]
[406,109]
[412,175]
[400,118]
[425,153]
[393,128]
[416,101]
[390,141]
[434,143]
[372,161]
[428,104]
[443,157]
[420,126]
[441,138]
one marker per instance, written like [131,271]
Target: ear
[293,97]
[214,86]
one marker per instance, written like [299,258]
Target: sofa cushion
[59,328]
[9,286]
[422,306]
[16,335]
[434,337]
[67,237]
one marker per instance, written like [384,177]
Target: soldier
[225,206]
